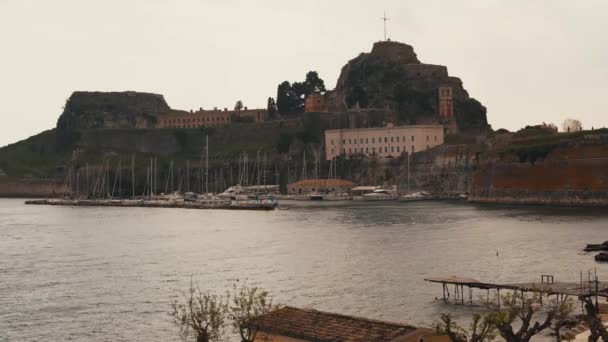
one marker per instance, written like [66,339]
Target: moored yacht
[381,194]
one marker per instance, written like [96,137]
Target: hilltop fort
[392,80]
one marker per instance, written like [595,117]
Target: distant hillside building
[315,103]
[209,118]
[384,142]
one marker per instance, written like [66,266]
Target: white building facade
[383,142]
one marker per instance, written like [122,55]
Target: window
[361,149]
[355,141]
[385,140]
[412,138]
[373,140]
[397,148]
[366,140]
[344,141]
[373,150]
[332,151]
[332,142]
[413,150]
[427,147]
[435,138]
[392,148]
[361,140]
[366,150]
[427,138]
[397,139]
[385,149]
[391,139]
[350,141]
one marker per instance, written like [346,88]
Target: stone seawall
[561,179]
[443,170]
[30,188]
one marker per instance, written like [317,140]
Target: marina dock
[224,205]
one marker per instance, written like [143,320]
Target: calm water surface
[108,274]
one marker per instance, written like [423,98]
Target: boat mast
[133,176]
[408,172]
[206,163]
[304,166]
[264,168]
[77,174]
[108,179]
[155,188]
[87,175]
[120,177]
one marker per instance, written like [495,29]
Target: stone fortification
[570,175]
[392,78]
[91,110]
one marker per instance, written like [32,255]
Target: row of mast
[257,176]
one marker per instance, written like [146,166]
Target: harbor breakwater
[575,175]
[32,188]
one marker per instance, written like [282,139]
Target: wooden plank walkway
[590,288]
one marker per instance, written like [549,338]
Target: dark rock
[391,76]
[90,110]
[603,257]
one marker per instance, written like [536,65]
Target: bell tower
[446,104]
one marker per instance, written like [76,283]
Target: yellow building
[383,142]
[289,324]
[209,118]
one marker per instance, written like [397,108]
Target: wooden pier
[547,286]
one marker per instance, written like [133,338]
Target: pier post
[462,294]
[498,295]
[471,296]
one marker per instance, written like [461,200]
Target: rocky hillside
[91,110]
[392,76]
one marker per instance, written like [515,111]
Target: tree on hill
[291,97]
[572,125]
[238,105]
[271,107]
[286,99]
[313,84]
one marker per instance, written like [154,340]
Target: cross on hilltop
[385,19]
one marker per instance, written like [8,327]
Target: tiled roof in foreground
[318,326]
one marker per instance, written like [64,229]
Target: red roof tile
[318,326]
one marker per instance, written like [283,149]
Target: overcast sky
[527,61]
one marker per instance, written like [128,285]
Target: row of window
[373,150]
[188,126]
[393,139]
[174,121]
